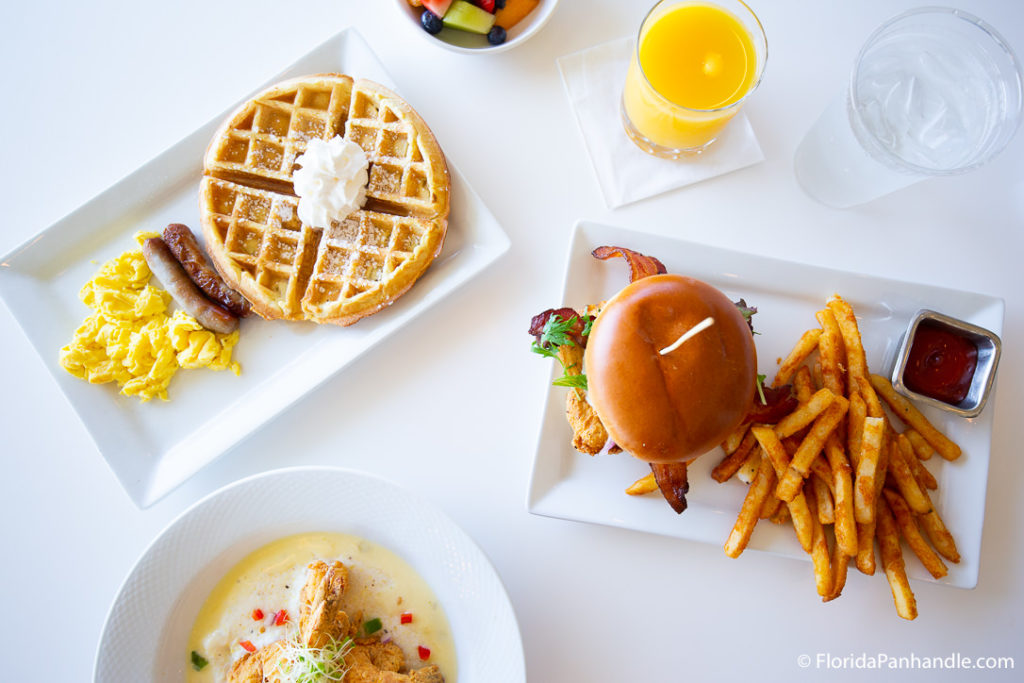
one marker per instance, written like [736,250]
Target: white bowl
[146,634]
[474,43]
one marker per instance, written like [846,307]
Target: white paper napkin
[593,80]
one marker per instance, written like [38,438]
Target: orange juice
[694,63]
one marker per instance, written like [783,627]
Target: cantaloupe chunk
[514,12]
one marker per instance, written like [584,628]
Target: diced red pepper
[424,652]
[406,617]
[257,614]
[281,617]
[249,647]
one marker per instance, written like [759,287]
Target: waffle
[355,267]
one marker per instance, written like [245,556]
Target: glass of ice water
[934,91]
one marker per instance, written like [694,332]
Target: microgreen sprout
[558,332]
[747,312]
[303,664]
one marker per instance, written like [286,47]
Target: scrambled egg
[130,338]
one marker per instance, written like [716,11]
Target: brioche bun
[677,406]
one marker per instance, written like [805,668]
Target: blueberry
[499,4]
[496,36]
[431,22]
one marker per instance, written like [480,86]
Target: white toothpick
[699,327]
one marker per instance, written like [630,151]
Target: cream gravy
[381,585]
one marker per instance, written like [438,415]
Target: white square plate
[152,447]
[570,485]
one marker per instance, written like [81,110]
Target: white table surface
[93,90]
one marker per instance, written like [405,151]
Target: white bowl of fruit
[478,25]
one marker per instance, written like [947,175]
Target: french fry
[735,438]
[939,535]
[867,469]
[643,485]
[866,548]
[839,561]
[865,532]
[855,426]
[882,470]
[731,463]
[803,520]
[807,343]
[908,528]
[780,517]
[803,385]
[874,406]
[924,478]
[831,352]
[819,382]
[846,321]
[892,563]
[749,467]
[799,510]
[921,447]
[856,360]
[771,507]
[916,497]
[811,446]
[762,486]
[819,549]
[805,413]
[820,467]
[826,509]
[913,418]
[842,480]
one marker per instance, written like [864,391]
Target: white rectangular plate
[152,447]
[569,485]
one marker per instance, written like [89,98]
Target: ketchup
[941,364]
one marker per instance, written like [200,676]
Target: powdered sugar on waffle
[331,183]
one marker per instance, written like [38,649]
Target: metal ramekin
[989,348]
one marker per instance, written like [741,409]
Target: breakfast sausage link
[170,273]
[186,249]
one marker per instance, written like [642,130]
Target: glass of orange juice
[695,63]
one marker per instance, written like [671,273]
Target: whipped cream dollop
[331,182]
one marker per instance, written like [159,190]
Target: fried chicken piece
[275,661]
[321,617]
[385,656]
[369,658]
[588,434]
[428,674]
[432,675]
[248,669]
[259,666]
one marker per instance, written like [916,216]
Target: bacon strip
[781,401]
[673,482]
[640,265]
[538,322]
